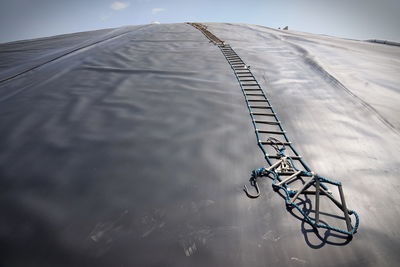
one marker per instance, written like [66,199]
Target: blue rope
[289,194]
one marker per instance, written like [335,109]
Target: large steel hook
[253,183]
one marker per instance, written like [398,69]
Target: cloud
[118,5]
[157,10]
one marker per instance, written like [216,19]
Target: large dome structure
[131,146]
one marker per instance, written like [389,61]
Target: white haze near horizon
[356,19]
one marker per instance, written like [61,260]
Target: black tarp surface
[130,147]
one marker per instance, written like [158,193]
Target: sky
[354,19]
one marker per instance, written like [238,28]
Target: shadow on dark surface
[325,239]
[314,234]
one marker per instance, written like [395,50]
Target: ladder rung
[286,173]
[247,72]
[278,157]
[271,132]
[261,107]
[252,80]
[262,114]
[290,178]
[246,84]
[257,100]
[268,122]
[273,143]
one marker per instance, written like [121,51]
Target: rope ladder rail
[280,165]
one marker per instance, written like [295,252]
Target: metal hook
[254,183]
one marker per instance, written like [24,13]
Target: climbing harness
[278,150]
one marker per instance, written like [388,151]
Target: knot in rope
[258,172]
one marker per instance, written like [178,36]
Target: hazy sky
[358,19]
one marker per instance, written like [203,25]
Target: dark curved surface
[134,151]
